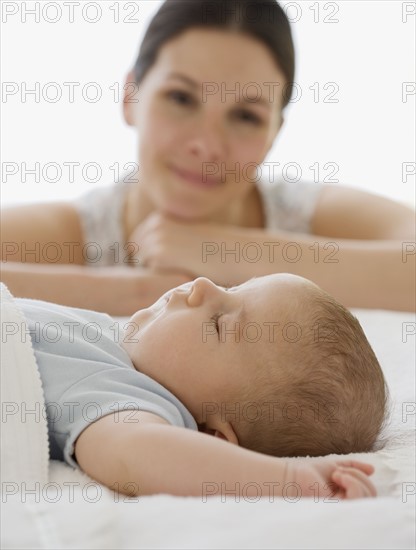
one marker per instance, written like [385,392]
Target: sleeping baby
[275,366]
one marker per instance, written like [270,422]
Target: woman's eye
[247,116]
[185,99]
[181,98]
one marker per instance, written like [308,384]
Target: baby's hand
[336,479]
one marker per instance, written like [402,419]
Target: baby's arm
[142,454]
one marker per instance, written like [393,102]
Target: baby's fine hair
[325,393]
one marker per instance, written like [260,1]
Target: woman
[198,206]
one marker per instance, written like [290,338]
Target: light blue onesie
[86,374]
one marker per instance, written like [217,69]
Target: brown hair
[328,395]
[262,19]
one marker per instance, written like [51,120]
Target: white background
[368,53]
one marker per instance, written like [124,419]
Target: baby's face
[199,339]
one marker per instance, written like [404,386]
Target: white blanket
[47,504]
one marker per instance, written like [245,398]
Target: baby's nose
[202,289]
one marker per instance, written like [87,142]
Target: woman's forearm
[103,289]
[361,274]
[114,290]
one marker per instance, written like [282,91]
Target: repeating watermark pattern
[408,249]
[69,491]
[268,251]
[408,170]
[71,12]
[408,330]
[69,331]
[408,90]
[68,411]
[129,12]
[408,11]
[268,331]
[74,332]
[52,492]
[319,12]
[270,171]
[69,92]
[52,92]
[253,491]
[270,411]
[408,411]
[269,92]
[408,490]
[69,172]
[273,252]
[94,172]
[53,252]
[93,492]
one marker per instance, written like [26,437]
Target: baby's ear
[232,436]
[203,429]
[216,433]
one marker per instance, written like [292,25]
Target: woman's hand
[167,243]
[332,479]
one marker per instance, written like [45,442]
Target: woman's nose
[206,143]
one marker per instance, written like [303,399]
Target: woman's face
[208,111]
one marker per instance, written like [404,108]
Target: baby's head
[275,365]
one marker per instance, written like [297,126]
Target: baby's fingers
[355,483]
[363,466]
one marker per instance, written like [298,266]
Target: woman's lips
[196,178]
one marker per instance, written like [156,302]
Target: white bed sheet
[73,511]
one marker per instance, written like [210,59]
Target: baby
[275,366]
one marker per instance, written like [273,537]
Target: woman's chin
[183,212]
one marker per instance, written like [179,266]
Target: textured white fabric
[23,423]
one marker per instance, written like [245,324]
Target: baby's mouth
[162,302]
